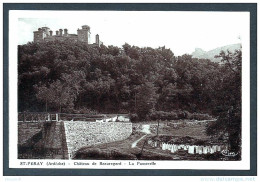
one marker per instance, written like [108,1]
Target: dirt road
[146,130]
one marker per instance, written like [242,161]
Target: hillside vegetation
[148,83]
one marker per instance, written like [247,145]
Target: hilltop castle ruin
[83,35]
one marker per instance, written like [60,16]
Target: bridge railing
[80,117]
[49,116]
[32,116]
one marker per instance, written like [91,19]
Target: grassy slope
[196,131]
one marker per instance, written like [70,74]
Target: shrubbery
[84,110]
[134,118]
[163,115]
[198,116]
[172,115]
[96,153]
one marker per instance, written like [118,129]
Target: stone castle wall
[61,38]
[82,133]
[83,35]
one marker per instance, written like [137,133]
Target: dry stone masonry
[82,133]
[63,138]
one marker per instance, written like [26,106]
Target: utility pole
[135,101]
[46,104]
[158,127]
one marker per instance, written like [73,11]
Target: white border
[244,164]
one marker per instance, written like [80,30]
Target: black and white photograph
[136,89]
[129,89]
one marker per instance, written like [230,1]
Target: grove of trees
[72,77]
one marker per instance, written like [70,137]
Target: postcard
[129,89]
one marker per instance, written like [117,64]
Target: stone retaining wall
[83,133]
[27,130]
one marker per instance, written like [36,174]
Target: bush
[198,116]
[172,115]
[84,110]
[134,118]
[162,115]
[151,156]
[94,153]
[118,155]
[181,115]
[98,154]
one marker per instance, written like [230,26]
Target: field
[136,147]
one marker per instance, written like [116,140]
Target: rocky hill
[200,53]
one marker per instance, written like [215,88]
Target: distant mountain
[199,53]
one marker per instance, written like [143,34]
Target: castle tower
[60,32]
[65,32]
[84,34]
[97,40]
[46,31]
[38,36]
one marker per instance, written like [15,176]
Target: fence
[48,116]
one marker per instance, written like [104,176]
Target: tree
[114,79]
[228,102]
[43,94]
[57,94]
[146,99]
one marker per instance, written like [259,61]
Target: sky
[182,32]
